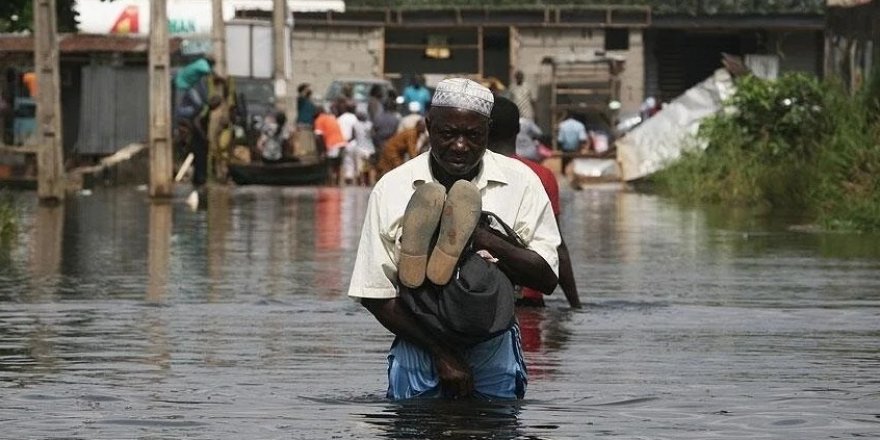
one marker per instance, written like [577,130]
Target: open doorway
[496,53]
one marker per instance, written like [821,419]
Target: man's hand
[523,266]
[456,379]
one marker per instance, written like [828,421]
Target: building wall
[632,80]
[531,45]
[799,51]
[852,43]
[108,120]
[323,53]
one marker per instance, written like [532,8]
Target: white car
[361,88]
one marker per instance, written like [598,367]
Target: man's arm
[455,375]
[566,276]
[523,266]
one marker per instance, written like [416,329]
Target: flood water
[122,319]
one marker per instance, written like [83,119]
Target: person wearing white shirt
[347,122]
[421,364]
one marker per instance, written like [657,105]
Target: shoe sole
[461,212]
[419,223]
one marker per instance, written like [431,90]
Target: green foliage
[847,188]
[793,143]
[18,15]
[778,119]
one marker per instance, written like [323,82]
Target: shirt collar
[490,172]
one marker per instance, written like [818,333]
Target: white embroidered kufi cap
[463,93]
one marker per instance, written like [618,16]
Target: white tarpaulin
[661,139]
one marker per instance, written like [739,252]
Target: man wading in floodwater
[423,233]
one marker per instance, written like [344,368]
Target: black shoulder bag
[477,304]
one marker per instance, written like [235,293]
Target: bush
[846,193]
[796,143]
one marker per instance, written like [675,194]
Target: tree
[18,15]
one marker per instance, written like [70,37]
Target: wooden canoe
[280,174]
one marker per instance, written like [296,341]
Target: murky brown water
[121,319]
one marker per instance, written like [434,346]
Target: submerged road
[121,319]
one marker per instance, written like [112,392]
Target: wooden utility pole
[217,166]
[161,165]
[218,37]
[279,45]
[50,168]
[159,250]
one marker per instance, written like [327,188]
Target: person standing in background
[572,138]
[521,95]
[375,102]
[347,121]
[29,79]
[402,147]
[190,75]
[305,108]
[417,92]
[328,131]
[503,133]
[362,149]
[384,127]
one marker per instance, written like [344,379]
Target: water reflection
[427,419]
[48,233]
[226,322]
[158,251]
[545,335]
[218,218]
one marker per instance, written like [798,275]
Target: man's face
[458,138]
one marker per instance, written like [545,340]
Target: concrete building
[667,47]
[476,42]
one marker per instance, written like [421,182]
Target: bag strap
[509,234]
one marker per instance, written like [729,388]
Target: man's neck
[447,179]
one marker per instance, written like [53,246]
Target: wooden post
[279,16]
[50,169]
[218,37]
[158,251]
[216,165]
[48,237]
[161,166]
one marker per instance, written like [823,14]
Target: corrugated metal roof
[82,43]
[846,3]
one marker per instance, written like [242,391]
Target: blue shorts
[497,365]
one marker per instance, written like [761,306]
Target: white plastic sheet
[661,139]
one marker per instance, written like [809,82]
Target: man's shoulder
[515,170]
[539,169]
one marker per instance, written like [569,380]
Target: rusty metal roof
[84,43]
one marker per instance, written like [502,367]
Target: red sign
[127,22]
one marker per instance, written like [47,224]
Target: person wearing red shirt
[502,140]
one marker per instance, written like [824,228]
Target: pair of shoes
[457,214]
